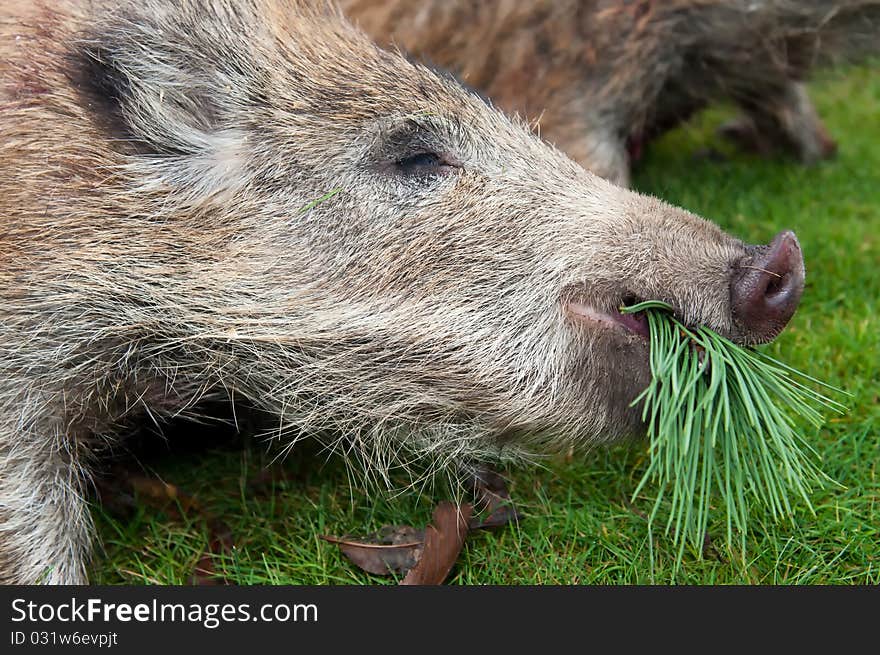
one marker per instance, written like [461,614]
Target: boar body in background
[604,76]
[249,201]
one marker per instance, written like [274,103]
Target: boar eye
[422,164]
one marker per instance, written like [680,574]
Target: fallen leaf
[426,556]
[122,491]
[444,539]
[491,496]
[161,493]
[220,543]
[394,549]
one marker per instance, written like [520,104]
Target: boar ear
[151,104]
[167,83]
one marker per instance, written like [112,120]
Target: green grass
[579,526]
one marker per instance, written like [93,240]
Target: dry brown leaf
[444,539]
[220,544]
[394,549]
[161,493]
[427,556]
[491,496]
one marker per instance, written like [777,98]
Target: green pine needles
[723,419]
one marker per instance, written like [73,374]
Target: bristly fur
[601,77]
[247,200]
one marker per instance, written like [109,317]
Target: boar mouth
[636,324]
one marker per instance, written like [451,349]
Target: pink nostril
[766,288]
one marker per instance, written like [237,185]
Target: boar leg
[45,525]
[782,119]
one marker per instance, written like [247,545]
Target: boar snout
[767,287]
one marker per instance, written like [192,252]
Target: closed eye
[423,164]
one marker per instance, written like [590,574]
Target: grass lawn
[578,526]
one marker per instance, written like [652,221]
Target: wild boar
[249,201]
[603,77]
